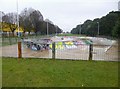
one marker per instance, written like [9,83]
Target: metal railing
[64,50]
[8,41]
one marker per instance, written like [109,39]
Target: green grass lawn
[58,73]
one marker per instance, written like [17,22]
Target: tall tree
[11,19]
[29,20]
[32,20]
[106,25]
[116,30]
[35,18]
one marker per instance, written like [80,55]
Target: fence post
[90,51]
[19,50]
[53,50]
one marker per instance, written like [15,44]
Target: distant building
[119,6]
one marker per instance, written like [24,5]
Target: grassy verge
[58,73]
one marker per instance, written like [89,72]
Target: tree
[47,20]
[116,30]
[35,18]
[30,19]
[11,19]
[26,23]
[106,25]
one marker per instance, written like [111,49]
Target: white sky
[64,13]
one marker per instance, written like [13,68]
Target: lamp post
[80,28]
[56,30]
[47,29]
[1,19]
[18,20]
[98,29]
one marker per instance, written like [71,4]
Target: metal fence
[105,52]
[80,52]
[64,51]
[57,50]
[8,41]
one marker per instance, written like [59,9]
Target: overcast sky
[64,13]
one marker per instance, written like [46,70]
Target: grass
[58,73]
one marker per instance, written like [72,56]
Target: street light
[80,28]
[47,28]
[56,30]
[1,19]
[98,28]
[18,20]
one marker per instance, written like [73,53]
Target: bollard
[90,51]
[19,50]
[53,50]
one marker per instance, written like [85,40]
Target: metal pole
[53,50]
[18,20]
[90,52]
[19,43]
[98,28]
[1,27]
[1,20]
[80,28]
[47,28]
[56,30]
